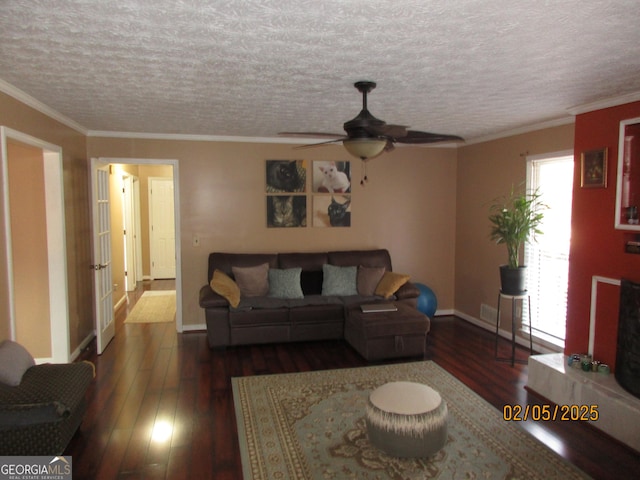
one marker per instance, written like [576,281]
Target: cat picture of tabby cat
[286,211]
[332,210]
[286,176]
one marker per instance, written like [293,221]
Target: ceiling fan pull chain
[364,178]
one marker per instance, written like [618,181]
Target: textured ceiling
[254,68]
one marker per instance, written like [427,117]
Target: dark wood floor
[150,375]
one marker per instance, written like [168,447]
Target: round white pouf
[407,419]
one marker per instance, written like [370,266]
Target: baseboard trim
[522,341]
[120,302]
[76,353]
[194,328]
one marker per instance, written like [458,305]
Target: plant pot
[513,280]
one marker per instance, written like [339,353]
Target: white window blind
[547,259]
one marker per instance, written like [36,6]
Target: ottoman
[406,419]
[382,335]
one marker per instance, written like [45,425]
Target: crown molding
[195,138]
[604,103]
[30,101]
[524,129]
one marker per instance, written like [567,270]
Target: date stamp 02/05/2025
[550,413]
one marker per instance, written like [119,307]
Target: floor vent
[488,313]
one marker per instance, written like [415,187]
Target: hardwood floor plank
[149,373]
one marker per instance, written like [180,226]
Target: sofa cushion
[253,281]
[339,280]
[390,283]
[285,283]
[368,279]
[15,360]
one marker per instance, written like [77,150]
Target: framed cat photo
[332,210]
[286,211]
[286,176]
[331,177]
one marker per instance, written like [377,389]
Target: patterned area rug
[154,306]
[311,426]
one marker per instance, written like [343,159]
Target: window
[547,259]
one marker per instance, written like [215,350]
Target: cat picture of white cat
[331,177]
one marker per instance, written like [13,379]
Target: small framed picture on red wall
[594,168]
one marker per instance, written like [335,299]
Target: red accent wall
[597,248]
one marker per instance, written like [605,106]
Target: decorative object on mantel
[593,168]
[368,137]
[515,218]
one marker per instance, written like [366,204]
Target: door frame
[176,206]
[56,242]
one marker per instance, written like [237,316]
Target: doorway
[126,170]
[35,245]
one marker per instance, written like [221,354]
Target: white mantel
[619,411]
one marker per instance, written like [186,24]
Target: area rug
[154,306]
[311,426]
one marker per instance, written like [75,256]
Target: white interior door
[162,228]
[105,326]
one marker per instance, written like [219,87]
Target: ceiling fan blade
[321,144]
[387,130]
[416,137]
[311,134]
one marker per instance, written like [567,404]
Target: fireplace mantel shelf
[619,411]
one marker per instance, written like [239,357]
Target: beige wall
[25,165]
[428,206]
[486,171]
[18,116]
[408,206]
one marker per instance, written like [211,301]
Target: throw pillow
[285,283]
[390,284]
[14,361]
[253,281]
[223,285]
[368,279]
[339,280]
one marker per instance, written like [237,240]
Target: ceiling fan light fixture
[365,148]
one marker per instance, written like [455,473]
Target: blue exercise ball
[427,301]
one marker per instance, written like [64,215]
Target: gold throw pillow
[223,285]
[390,283]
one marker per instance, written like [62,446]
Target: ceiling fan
[367,136]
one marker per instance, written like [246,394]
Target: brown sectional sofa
[315,317]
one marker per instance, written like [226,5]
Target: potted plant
[515,218]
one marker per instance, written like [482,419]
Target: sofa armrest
[31,414]
[408,290]
[210,299]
